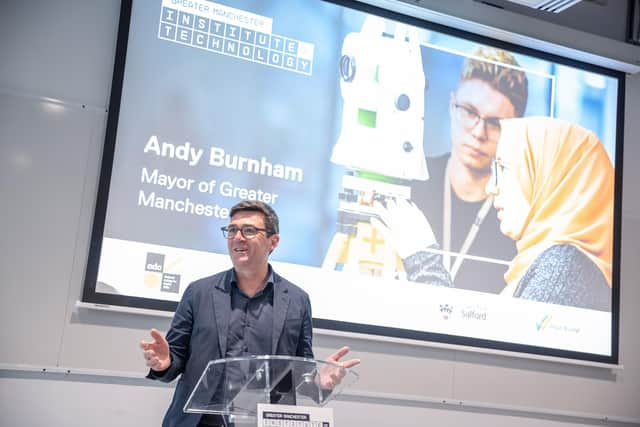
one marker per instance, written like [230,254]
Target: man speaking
[247,310]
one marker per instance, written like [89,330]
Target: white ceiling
[606,18]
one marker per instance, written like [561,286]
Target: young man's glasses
[247,231]
[469,118]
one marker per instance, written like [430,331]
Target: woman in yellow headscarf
[553,186]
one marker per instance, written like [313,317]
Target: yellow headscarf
[568,179]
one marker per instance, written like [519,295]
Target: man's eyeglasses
[469,119]
[247,231]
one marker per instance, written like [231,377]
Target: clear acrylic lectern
[233,387]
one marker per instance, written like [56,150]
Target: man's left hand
[331,375]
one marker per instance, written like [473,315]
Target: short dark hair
[506,79]
[271,222]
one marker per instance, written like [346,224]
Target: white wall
[55,73]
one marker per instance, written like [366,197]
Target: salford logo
[446,311]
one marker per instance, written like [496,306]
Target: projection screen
[333,113]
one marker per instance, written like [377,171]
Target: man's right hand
[156,352]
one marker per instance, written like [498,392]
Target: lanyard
[446,227]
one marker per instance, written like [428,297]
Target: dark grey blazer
[198,334]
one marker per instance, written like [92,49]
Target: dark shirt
[564,275]
[250,332]
[474,275]
[251,321]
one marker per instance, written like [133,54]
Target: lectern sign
[293,416]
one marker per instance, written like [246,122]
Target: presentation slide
[376,140]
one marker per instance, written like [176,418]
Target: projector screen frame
[90,295]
